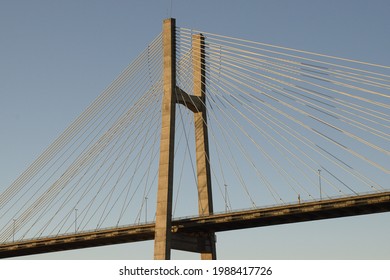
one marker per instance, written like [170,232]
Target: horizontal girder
[292,213]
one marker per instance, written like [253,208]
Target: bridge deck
[293,213]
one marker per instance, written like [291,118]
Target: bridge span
[194,226]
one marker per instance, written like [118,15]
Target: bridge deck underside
[293,213]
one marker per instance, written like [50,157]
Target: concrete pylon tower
[165,239]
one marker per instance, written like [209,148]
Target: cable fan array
[284,126]
[287,125]
[101,168]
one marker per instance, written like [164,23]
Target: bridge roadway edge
[292,213]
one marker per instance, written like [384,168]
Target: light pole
[13,231]
[319,181]
[146,209]
[226,200]
[75,220]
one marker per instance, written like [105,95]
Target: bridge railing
[330,198]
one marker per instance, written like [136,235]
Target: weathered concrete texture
[162,239]
[165,240]
[201,141]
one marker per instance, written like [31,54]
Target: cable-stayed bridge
[204,125]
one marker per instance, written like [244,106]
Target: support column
[163,235]
[205,203]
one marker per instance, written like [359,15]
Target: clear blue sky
[57,56]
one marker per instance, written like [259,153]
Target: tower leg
[205,203]
[163,235]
